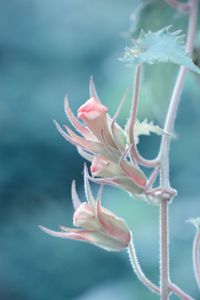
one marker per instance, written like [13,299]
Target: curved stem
[196,258]
[178,292]
[133,150]
[141,160]
[164,155]
[138,271]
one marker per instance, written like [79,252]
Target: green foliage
[144,128]
[160,46]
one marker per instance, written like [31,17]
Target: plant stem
[178,292]
[138,271]
[134,104]
[196,259]
[164,251]
[133,150]
[164,156]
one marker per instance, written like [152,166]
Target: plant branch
[164,155]
[138,271]
[133,150]
[164,250]
[175,99]
[178,292]
[134,108]
[141,160]
[196,259]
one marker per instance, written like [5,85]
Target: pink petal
[133,173]
[115,136]
[88,145]
[105,180]
[75,199]
[85,154]
[92,90]
[91,110]
[109,143]
[111,224]
[88,191]
[76,140]
[74,121]
[79,234]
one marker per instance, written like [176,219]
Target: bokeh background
[47,49]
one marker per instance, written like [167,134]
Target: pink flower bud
[99,226]
[84,217]
[102,166]
[94,115]
[91,110]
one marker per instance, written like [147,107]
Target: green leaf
[160,46]
[145,128]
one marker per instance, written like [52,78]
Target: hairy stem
[164,251]
[196,259]
[133,150]
[138,271]
[178,292]
[164,156]
[134,104]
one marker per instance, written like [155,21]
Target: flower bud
[91,110]
[84,217]
[102,166]
[98,225]
[94,115]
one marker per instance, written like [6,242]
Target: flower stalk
[196,258]
[138,271]
[164,155]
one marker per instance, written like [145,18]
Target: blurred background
[47,49]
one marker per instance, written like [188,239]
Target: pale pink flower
[92,110]
[104,143]
[99,226]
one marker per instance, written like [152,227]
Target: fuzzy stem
[178,292]
[164,250]
[196,258]
[134,104]
[164,156]
[133,151]
[138,271]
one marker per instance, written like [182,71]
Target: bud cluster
[105,144]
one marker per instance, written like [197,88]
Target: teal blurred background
[50,48]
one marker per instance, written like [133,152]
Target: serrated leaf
[144,128]
[160,46]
